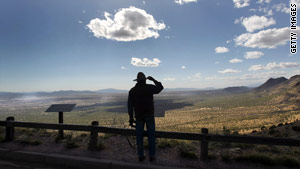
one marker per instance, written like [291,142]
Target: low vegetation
[272,113]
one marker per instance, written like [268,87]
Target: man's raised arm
[158,86]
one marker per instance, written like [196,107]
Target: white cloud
[217,63]
[235,60]
[297,2]
[274,65]
[247,77]
[263,1]
[221,49]
[145,62]
[80,21]
[285,8]
[181,2]
[143,2]
[256,67]
[266,10]
[270,38]
[124,68]
[281,7]
[238,20]
[228,41]
[128,24]
[169,79]
[183,67]
[229,71]
[263,75]
[253,55]
[195,77]
[255,22]
[241,3]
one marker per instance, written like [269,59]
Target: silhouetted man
[140,100]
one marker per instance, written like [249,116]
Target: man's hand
[150,78]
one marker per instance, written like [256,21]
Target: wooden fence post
[204,145]
[93,136]
[10,131]
[61,121]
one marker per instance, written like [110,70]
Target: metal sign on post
[61,108]
[159,110]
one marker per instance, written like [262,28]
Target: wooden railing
[203,137]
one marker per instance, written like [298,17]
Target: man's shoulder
[130,91]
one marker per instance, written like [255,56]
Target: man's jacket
[140,99]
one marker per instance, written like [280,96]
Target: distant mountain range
[272,85]
[111,91]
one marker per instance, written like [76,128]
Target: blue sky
[90,45]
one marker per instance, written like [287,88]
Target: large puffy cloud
[145,62]
[221,50]
[241,3]
[255,22]
[128,24]
[253,55]
[184,1]
[274,65]
[270,38]
[229,71]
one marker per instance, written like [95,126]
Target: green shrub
[107,135]
[296,128]
[211,156]
[28,141]
[225,157]
[36,142]
[70,144]
[272,131]
[244,146]
[57,139]
[83,135]
[1,138]
[235,132]
[166,143]
[256,158]
[187,151]
[226,131]
[188,154]
[288,161]
[100,146]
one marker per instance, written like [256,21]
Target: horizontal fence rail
[203,137]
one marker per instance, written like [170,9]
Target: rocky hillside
[269,84]
[284,91]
